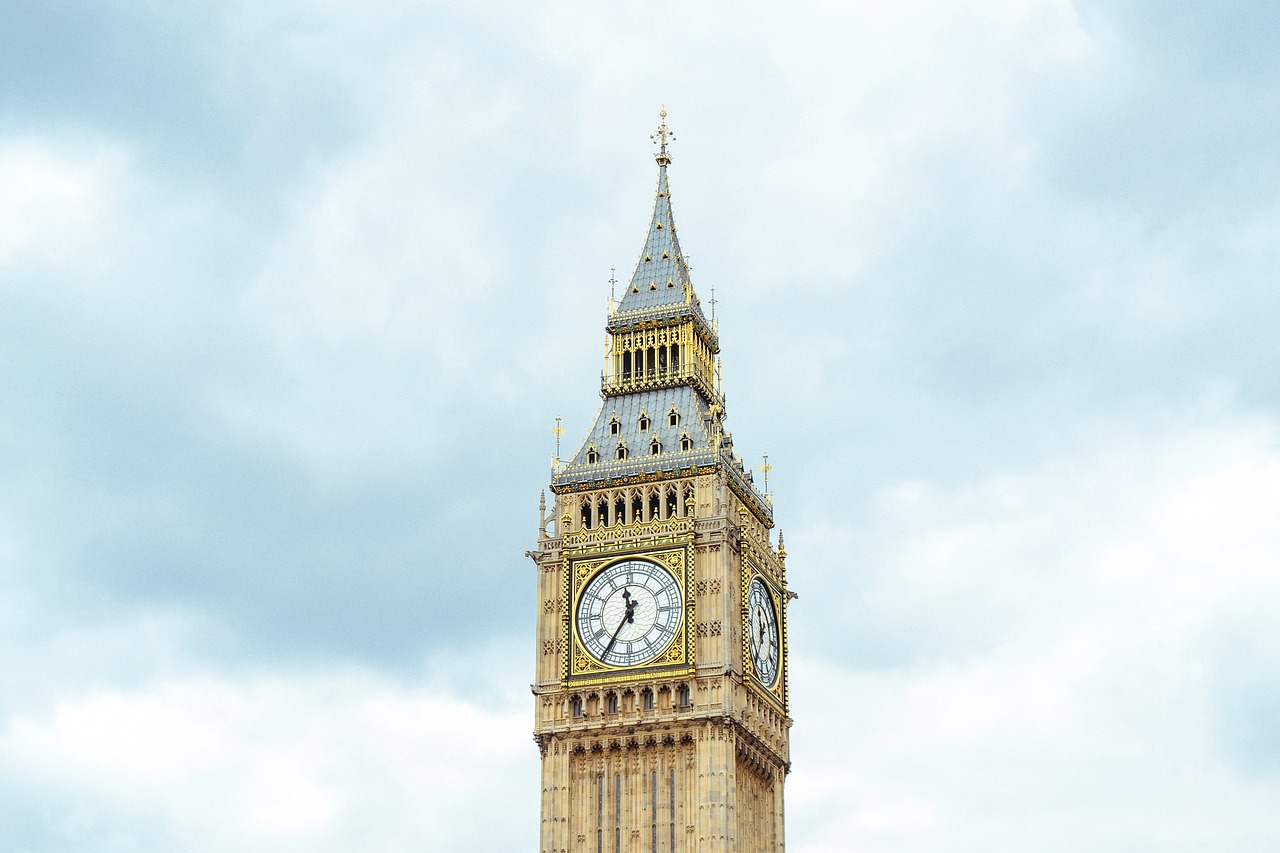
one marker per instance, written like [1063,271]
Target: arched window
[671,810]
[620,510]
[576,705]
[600,813]
[651,363]
[637,507]
[644,424]
[654,504]
[615,426]
[673,508]
[611,703]
[673,417]
[592,456]
[655,447]
[686,443]
[617,808]
[626,365]
[682,696]
[653,811]
[646,699]
[586,514]
[622,451]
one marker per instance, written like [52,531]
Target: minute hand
[629,616]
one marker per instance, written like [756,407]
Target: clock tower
[661,691]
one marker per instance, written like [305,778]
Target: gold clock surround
[581,668]
[777,691]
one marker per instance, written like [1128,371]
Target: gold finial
[558,431]
[662,137]
[766,468]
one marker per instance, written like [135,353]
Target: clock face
[762,622]
[628,613]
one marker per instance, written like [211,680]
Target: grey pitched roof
[661,274]
[693,417]
[694,421]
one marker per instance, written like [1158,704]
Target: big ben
[661,677]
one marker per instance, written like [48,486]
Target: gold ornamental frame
[777,691]
[580,667]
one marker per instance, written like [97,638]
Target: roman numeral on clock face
[631,610]
[762,622]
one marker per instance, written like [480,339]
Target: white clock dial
[628,613]
[762,623]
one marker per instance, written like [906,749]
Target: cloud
[331,761]
[292,293]
[52,203]
[1077,654]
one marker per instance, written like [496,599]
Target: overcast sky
[292,292]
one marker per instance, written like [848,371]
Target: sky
[292,293]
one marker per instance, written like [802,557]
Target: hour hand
[629,616]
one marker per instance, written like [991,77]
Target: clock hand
[629,616]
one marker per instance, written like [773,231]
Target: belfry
[661,675]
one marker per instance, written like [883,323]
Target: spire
[662,275]
[663,411]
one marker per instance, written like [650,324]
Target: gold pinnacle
[558,431]
[662,137]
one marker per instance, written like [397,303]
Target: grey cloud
[197,427]
[1246,681]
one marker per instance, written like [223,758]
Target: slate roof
[694,416]
[694,421]
[661,277]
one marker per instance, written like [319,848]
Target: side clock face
[762,622]
[628,613]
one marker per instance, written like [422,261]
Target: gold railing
[635,530]
[660,379]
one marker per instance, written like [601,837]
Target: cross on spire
[662,137]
